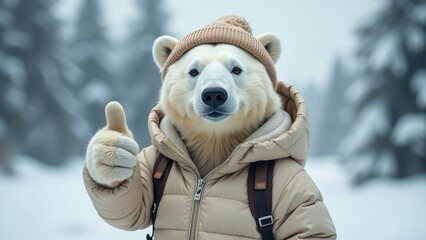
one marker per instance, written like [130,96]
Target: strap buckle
[266,221]
[154,208]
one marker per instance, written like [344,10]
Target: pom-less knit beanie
[233,30]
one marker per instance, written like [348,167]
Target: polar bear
[216,96]
[220,109]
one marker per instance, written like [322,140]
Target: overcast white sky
[312,32]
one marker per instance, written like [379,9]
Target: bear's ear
[272,44]
[162,48]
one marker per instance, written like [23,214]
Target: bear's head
[218,80]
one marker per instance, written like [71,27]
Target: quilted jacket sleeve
[128,205]
[300,211]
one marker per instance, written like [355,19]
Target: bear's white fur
[251,99]
[112,153]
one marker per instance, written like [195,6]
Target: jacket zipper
[199,190]
[196,208]
[197,200]
[198,194]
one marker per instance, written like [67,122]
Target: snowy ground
[51,203]
[382,209]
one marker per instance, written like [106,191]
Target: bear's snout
[214,97]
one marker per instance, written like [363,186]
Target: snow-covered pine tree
[388,137]
[11,93]
[91,51]
[40,114]
[331,121]
[141,79]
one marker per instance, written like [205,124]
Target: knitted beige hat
[233,30]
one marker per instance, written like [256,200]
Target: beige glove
[112,153]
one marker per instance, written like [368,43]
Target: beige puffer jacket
[223,211]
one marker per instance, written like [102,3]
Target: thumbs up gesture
[112,153]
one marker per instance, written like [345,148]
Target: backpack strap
[259,187]
[161,172]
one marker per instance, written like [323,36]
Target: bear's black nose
[214,97]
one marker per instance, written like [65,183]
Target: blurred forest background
[54,86]
[54,89]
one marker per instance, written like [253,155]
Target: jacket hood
[293,142]
[284,135]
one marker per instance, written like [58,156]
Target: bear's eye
[194,72]
[236,70]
